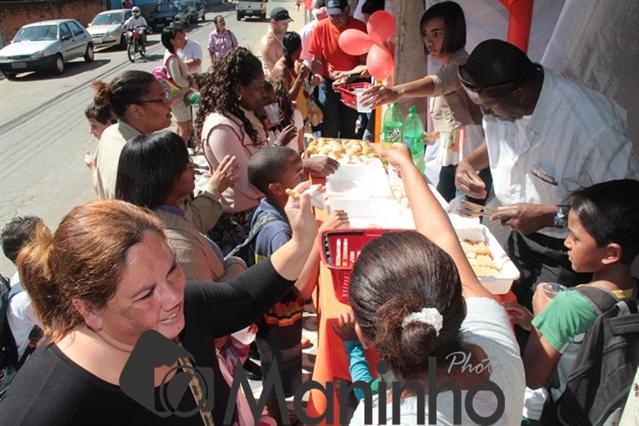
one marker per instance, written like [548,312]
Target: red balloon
[380,26]
[354,42]
[308,4]
[380,62]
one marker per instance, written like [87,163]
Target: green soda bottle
[392,125]
[413,131]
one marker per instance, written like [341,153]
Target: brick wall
[15,14]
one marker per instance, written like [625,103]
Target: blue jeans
[339,120]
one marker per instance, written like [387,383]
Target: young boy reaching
[603,239]
[273,170]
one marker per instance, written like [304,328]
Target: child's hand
[398,155]
[346,327]
[300,215]
[286,136]
[519,315]
[225,174]
[89,161]
[336,219]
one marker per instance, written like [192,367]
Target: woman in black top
[105,277]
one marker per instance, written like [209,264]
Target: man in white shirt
[546,136]
[15,234]
[319,13]
[138,21]
[191,55]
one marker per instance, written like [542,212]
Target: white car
[46,45]
[107,28]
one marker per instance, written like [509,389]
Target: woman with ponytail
[138,101]
[416,299]
[104,278]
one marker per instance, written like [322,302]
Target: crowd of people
[239,255]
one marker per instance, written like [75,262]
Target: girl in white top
[416,299]
[174,38]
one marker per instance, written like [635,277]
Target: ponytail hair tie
[427,316]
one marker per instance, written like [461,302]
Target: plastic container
[359,180]
[339,250]
[347,92]
[373,213]
[413,133]
[498,284]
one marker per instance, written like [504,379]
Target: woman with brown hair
[104,278]
[417,300]
[137,100]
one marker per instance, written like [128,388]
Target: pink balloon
[380,26]
[354,42]
[380,62]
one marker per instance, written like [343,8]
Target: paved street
[44,134]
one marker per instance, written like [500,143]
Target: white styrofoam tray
[499,284]
[359,180]
[372,212]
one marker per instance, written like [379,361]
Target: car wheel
[89,55]
[123,41]
[9,75]
[58,66]
[239,16]
[204,17]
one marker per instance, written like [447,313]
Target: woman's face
[583,252]
[97,128]
[433,36]
[186,182]
[154,112]
[149,296]
[252,96]
[220,25]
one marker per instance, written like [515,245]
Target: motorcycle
[135,42]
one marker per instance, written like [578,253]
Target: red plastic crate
[347,92]
[340,267]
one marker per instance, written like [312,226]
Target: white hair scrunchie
[427,316]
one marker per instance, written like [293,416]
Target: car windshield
[169,8]
[108,18]
[38,32]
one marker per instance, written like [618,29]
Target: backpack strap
[15,290]
[257,227]
[600,299]
[34,337]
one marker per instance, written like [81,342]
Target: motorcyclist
[138,21]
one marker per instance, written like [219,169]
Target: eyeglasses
[152,101]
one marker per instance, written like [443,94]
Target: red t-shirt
[324,45]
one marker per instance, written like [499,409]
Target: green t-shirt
[569,314]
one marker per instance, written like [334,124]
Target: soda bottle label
[394,134]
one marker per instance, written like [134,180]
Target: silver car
[107,28]
[46,45]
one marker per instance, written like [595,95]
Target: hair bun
[102,92]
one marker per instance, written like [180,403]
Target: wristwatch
[561,217]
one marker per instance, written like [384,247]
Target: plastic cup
[273,113]
[361,107]
[551,289]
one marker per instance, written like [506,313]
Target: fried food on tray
[347,151]
[480,258]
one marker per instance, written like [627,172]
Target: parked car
[251,8]
[107,28]
[46,45]
[164,14]
[196,10]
